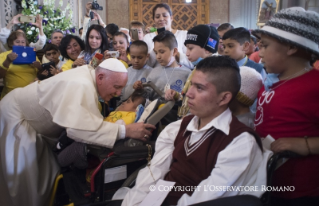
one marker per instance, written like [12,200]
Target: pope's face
[110,84]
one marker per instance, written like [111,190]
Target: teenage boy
[168,74]
[201,42]
[287,109]
[210,147]
[236,44]
[140,30]
[139,70]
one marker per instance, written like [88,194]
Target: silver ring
[146,136]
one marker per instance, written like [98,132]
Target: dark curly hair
[66,41]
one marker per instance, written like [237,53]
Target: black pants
[302,201]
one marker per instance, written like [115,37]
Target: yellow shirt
[67,65]
[127,117]
[129,58]
[17,75]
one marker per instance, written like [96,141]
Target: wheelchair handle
[152,85]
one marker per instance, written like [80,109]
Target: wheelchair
[116,165]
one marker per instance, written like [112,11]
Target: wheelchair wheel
[130,181]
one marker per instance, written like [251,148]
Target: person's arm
[86,20]
[3,72]
[5,32]
[241,163]
[303,146]
[42,37]
[98,17]
[159,167]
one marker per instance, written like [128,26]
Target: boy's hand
[37,65]
[54,70]
[297,145]
[45,72]
[106,55]
[138,85]
[169,94]
[79,62]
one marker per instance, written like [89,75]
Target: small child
[140,30]
[126,112]
[111,29]
[169,74]
[74,153]
[52,53]
[287,109]
[201,42]
[236,44]
[139,69]
[251,82]
[222,29]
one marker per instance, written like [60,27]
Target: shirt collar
[221,123]
[242,61]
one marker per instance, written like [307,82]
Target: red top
[292,110]
[255,57]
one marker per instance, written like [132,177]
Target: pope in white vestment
[31,120]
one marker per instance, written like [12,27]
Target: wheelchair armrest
[121,150]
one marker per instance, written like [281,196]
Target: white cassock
[31,120]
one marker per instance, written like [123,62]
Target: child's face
[20,41]
[139,32]
[129,105]
[120,43]
[163,53]
[138,57]
[52,56]
[194,52]
[95,39]
[273,53]
[234,50]
[220,45]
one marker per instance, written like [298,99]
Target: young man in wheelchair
[208,148]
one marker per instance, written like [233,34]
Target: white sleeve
[160,165]
[86,24]
[4,34]
[40,43]
[233,167]
[105,135]
[148,39]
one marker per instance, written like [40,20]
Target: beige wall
[118,12]
[218,11]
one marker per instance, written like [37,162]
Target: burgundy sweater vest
[192,164]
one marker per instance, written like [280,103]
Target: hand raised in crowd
[15,19]
[148,30]
[37,65]
[139,131]
[170,94]
[106,55]
[38,21]
[138,85]
[88,7]
[78,62]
